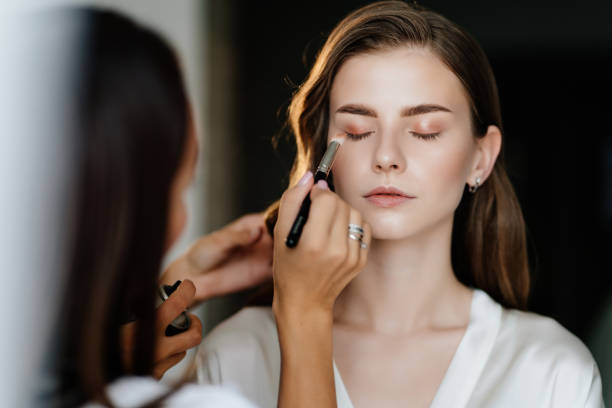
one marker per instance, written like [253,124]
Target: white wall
[35,193]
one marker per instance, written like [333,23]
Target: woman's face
[410,149]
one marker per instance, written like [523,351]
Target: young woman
[136,152]
[434,319]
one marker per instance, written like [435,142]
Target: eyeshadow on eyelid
[354,128]
[429,126]
[429,129]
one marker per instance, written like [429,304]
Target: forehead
[403,76]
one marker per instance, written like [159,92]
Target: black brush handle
[298,224]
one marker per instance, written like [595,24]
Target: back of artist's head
[488,246]
[132,130]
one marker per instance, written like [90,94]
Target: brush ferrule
[328,158]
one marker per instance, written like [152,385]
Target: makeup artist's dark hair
[489,249]
[131,133]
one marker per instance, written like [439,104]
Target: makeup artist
[136,152]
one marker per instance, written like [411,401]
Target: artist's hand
[312,275]
[233,258]
[307,281]
[169,350]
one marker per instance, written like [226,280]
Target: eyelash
[422,136]
[426,136]
[358,136]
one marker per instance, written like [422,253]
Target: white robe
[506,358]
[135,392]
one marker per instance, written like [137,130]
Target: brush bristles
[339,138]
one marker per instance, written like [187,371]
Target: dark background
[552,62]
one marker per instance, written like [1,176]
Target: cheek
[346,170]
[445,171]
[452,168]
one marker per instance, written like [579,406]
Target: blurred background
[553,64]
[552,59]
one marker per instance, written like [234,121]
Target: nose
[388,156]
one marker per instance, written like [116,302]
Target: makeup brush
[321,174]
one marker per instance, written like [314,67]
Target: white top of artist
[507,358]
[133,392]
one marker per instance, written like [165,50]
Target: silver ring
[355,237]
[358,238]
[355,234]
[356,228]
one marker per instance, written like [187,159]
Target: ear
[487,150]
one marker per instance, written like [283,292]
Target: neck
[407,285]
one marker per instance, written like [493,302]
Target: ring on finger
[356,237]
[356,229]
[356,234]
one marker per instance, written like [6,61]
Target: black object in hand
[182,322]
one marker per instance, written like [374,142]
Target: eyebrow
[408,111]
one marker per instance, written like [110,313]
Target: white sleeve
[243,354]
[196,396]
[132,392]
[578,384]
[594,395]
[208,368]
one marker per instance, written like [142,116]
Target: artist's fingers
[159,369]
[176,303]
[290,204]
[214,248]
[354,238]
[248,221]
[321,189]
[170,345]
[318,228]
[241,232]
[228,239]
[365,248]
[338,243]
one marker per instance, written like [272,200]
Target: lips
[387,197]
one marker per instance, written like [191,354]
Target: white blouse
[506,358]
[134,392]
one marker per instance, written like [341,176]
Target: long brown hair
[489,249]
[132,125]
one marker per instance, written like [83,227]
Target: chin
[405,226]
[392,226]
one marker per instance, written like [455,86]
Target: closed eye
[426,136]
[358,136]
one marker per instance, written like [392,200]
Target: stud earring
[472,189]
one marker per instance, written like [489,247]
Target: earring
[472,189]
